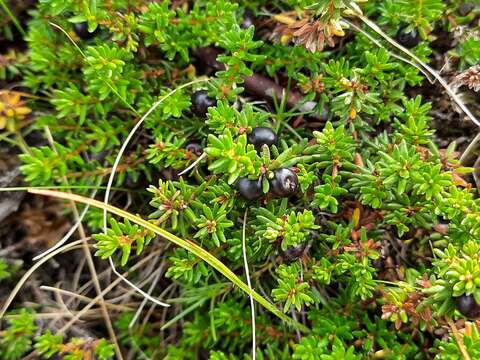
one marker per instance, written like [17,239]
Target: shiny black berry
[262,136]
[250,189]
[81,29]
[248,19]
[194,148]
[467,305]
[409,39]
[201,102]
[284,182]
[294,252]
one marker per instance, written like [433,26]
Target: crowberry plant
[284,152]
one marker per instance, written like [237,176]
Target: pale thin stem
[69,233]
[135,287]
[103,293]
[129,291]
[159,272]
[469,152]
[427,68]
[26,276]
[376,42]
[249,283]
[83,298]
[88,256]
[114,169]
[192,165]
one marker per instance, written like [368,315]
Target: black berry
[248,19]
[250,189]
[262,136]
[81,29]
[306,71]
[194,148]
[201,102]
[325,113]
[467,305]
[465,8]
[409,39]
[133,181]
[284,182]
[99,156]
[294,252]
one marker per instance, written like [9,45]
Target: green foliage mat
[362,231]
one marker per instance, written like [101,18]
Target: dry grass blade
[187,245]
[376,42]
[83,298]
[155,280]
[135,287]
[458,339]
[427,68]
[88,256]
[249,283]
[114,169]
[70,232]
[105,291]
[21,282]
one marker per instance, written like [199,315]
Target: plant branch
[186,244]
[458,338]
[88,256]
[259,85]
[427,68]
[13,17]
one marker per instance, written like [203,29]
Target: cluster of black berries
[284,182]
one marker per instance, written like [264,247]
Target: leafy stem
[186,244]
